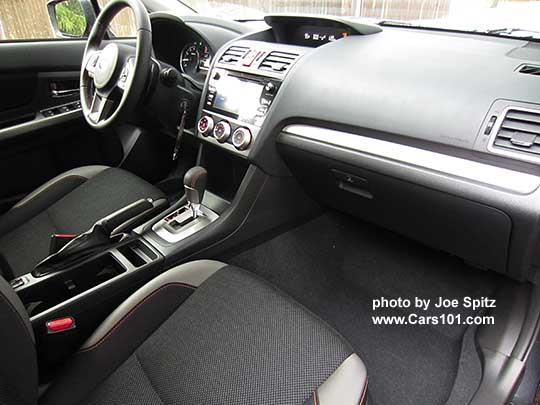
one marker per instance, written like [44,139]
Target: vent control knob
[222,131]
[241,138]
[205,125]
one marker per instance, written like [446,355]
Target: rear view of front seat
[201,333]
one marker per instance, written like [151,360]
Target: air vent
[530,70]
[519,131]
[234,54]
[278,61]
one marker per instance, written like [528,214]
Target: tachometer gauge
[190,59]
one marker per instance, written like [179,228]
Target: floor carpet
[337,266]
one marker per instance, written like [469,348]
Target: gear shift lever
[195,185]
[190,218]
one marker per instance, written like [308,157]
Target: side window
[45,19]
[24,21]
[123,24]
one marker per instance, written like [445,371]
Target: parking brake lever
[97,237]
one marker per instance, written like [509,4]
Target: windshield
[519,18]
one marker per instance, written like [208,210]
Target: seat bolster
[46,195]
[346,386]
[190,274]
[18,361]
[126,329]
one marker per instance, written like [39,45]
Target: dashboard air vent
[519,131]
[278,61]
[530,70]
[234,54]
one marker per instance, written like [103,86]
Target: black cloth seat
[68,204]
[201,333]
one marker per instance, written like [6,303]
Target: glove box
[478,233]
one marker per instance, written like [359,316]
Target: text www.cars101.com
[443,319]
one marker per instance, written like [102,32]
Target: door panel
[41,56]
[42,132]
[27,97]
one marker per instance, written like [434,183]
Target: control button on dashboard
[270,88]
[222,131]
[205,125]
[241,138]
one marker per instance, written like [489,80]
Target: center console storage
[68,285]
[71,286]
[86,292]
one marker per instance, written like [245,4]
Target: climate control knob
[205,125]
[222,131]
[241,138]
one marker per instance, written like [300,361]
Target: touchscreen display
[238,96]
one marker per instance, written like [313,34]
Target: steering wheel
[114,75]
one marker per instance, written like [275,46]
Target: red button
[64,235]
[58,325]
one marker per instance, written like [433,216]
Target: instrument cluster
[182,47]
[195,57]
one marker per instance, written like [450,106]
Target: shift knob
[195,184]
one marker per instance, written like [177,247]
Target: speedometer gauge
[190,58]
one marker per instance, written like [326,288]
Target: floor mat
[336,266]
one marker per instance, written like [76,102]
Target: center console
[241,90]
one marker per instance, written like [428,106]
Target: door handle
[64,93]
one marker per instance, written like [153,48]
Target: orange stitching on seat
[132,310]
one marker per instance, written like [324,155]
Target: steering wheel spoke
[100,108]
[126,73]
[91,63]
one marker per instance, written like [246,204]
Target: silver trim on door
[39,122]
[64,93]
[469,170]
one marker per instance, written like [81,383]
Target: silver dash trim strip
[510,180]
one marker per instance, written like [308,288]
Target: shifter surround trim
[165,231]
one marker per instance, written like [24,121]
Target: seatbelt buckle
[59,240]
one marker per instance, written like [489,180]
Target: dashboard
[432,134]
